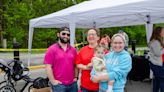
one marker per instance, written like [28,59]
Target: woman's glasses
[91,34]
[63,34]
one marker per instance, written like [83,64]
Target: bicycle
[14,71]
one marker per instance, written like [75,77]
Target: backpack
[40,82]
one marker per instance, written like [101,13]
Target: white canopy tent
[102,14]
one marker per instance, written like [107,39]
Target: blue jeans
[158,71]
[158,83]
[86,90]
[158,80]
[65,88]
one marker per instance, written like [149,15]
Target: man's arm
[76,74]
[50,75]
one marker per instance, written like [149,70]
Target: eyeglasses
[91,34]
[65,34]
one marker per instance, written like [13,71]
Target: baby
[99,64]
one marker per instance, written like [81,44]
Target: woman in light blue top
[118,65]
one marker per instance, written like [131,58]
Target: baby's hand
[103,68]
[89,65]
[95,79]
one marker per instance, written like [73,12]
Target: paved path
[132,86]
[138,86]
[37,59]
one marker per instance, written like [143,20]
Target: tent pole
[94,24]
[30,37]
[149,28]
[72,31]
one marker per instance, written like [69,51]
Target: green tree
[17,13]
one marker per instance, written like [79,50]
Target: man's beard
[64,40]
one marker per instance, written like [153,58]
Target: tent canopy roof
[104,13]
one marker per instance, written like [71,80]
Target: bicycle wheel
[3,83]
[7,88]
[30,88]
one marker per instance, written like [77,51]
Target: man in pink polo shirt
[59,60]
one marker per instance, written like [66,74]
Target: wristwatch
[76,77]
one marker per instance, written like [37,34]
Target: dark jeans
[65,88]
[158,83]
[86,90]
[158,80]
[158,71]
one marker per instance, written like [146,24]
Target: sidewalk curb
[36,67]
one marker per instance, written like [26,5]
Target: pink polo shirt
[62,62]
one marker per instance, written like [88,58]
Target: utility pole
[1,22]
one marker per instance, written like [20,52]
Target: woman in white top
[156,63]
